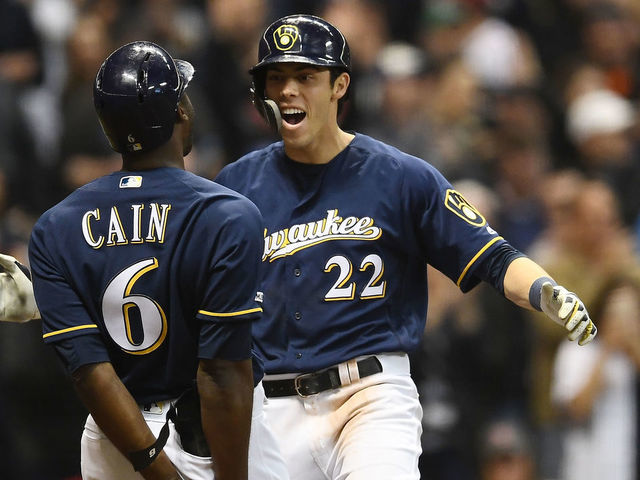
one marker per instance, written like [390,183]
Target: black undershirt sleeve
[493,268]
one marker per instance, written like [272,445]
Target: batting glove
[567,310]
[17,302]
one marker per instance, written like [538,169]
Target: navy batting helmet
[296,39]
[136,95]
[303,39]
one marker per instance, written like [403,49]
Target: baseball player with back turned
[350,226]
[145,281]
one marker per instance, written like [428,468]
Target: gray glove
[567,310]
[17,302]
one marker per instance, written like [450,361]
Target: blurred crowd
[530,107]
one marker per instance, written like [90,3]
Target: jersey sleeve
[63,313]
[233,265]
[454,235]
[230,296]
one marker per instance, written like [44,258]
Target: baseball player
[146,283]
[350,226]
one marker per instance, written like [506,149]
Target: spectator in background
[585,242]
[596,389]
[610,41]
[364,25]
[520,112]
[222,64]
[84,154]
[600,124]
[507,451]
[499,55]
[402,120]
[20,71]
[177,24]
[520,164]
[558,190]
[458,129]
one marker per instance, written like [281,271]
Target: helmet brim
[317,62]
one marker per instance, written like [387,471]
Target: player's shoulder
[251,164]
[386,157]
[220,200]
[57,214]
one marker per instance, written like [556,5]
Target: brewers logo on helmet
[285,37]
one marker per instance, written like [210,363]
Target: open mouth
[293,116]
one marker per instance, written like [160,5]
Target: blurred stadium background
[529,106]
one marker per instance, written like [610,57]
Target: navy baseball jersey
[346,246]
[156,263]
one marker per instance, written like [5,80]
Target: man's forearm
[226,401]
[118,416]
[520,275]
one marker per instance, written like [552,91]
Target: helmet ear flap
[266,107]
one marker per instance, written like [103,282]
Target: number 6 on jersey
[117,303]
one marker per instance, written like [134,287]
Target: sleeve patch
[455,202]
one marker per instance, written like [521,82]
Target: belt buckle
[297,386]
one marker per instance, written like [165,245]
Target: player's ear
[181,114]
[185,111]
[341,85]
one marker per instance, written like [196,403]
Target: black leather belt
[316,382]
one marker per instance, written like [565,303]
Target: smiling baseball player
[350,226]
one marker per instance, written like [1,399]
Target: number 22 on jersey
[343,289]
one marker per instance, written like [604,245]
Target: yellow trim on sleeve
[70,329]
[231,314]
[472,261]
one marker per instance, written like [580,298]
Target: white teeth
[291,111]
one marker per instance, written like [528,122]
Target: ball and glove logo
[459,205]
[285,37]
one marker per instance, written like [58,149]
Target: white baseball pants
[101,460]
[368,430]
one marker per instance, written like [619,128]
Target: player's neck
[321,150]
[157,158]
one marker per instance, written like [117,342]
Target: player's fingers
[569,306]
[7,262]
[547,293]
[577,314]
[579,329]
[589,334]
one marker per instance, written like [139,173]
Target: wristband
[535,292]
[143,458]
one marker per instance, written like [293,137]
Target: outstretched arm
[528,285]
[17,302]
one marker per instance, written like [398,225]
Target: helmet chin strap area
[272,114]
[268,110]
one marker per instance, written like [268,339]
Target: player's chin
[292,132]
[290,127]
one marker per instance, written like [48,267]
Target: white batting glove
[567,310]
[17,302]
